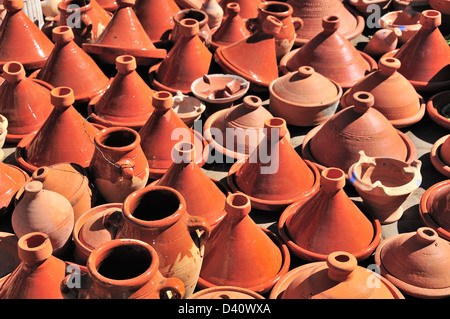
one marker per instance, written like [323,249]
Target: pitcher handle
[200,227]
[171,288]
[298,23]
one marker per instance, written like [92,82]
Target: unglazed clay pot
[11,180]
[384,184]
[382,41]
[45,211]
[8,254]
[304,97]
[394,96]
[108,5]
[240,253]
[24,102]
[438,108]
[408,21]
[440,155]
[249,8]
[329,221]
[442,6]
[435,208]
[331,55]
[274,175]
[214,12]
[339,277]
[39,274]
[204,32]
[157,215]
[118,166]
[124,269]
[417,263]
[366,7]
[126,102]
[21,40]
[188,108]
[226,292]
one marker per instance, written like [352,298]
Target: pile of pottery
[116,121]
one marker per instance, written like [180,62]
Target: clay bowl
[188,108]
[437,106]
[436,157]
[408,24]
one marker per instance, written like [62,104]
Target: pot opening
[277,7]
[192,14]
[334,173]
[156,204]
[76,3]
[342,258]
[119,139]
[34,241]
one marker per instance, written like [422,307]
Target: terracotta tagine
[188,108]
[440,155]
[157,215]
[64,137]
[162,131]
[249,8]
[197,14]
[438,108]
[123,269]
[233,253]
[339,277]
[357,128]
[11,180]
[39,274]
[408,21]
[8,254]
[214,12]
[45,211]
[384,184]
[24,102]
[417,263]
[226,292]
[331,55]
[274,175]
[21,40]
[124,34]
[383,41]
[118,166]
[394,96]
[304,97]
[126,102]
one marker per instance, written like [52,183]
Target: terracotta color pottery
[197,14]
[126,102]
[226,292]
[382,41]
[394,96]
[249,8]
[337,142]
[188,60]
[157,215]
[93,19]
[384,184]
[428,73]
[188,108]
[21,40]
[124,34]
[162,131]
[440,155]
[274,175]
[331,55]
[68,65]
[329,221]
[124,269]
[417,263]
[438,108]
[8,254]
[108,5]
[64,137]
[259,63]
[3,130]
[11,180]
[339,277]
[156,17]
[442,6]
[118,166]
[39,274]
[408,21]
[24,102]
[304,97]
[312,12]
[242,254]
[214,12]
[435,208]
[232,29]
[366,8]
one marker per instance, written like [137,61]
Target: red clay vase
[242,254]
[331,55]
[157,215]
[394,96]
[274,175]
[126,102]
[124,34]
[440,155]
[188,60]
[123,269]
[204,33]
[65,137]
[162,131]
[11,180]
[24,102]
[45,211]
[39,273]
[21,40]
[438,109]
[249,8]
[118,166]
[417,263]
[329,221]
[339,277]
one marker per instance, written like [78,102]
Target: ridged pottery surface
[8,254]
[438,108]
[407,20]
[11,180]
[440,155]
[226,292]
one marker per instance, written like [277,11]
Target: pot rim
[436,159]
[433,107]
[106,132]
[221,100]
[262,8]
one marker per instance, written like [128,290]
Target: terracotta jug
[226,292]
[214,12]
[384,184]
[204,33]
[39,274]
[11,180]
[329,221]
[157,215]
[439,155]
[438,109]
[24,102]
[21,40]
[118,166]
[123,269]
[126,102]
[240,253]
[383,41]
[44,211]
[249,8]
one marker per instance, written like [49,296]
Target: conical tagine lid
[249,8]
